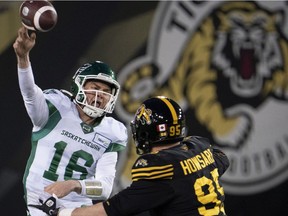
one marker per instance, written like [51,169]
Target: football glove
[49,206]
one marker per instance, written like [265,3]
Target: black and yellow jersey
[179,181]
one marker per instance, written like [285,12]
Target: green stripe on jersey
[115,147]
[54,118]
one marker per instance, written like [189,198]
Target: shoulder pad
[197,142]
[50,91]
[67,93]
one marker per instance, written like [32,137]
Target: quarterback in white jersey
[74,144]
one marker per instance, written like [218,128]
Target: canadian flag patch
[161,127]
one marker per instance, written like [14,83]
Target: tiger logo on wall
[226,64]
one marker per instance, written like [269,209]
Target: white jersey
[63,147]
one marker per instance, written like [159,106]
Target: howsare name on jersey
[197,162]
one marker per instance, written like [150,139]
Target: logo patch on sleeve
[141,162]
[101,140]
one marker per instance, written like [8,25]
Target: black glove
[49,206]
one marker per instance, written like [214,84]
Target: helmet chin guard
[93,113]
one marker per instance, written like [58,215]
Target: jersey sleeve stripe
[152,173]
[157,172]
[151,168]
[163,176]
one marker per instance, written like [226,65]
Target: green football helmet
[101,72]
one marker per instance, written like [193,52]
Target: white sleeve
[33,97]
[106,172]
[101,187]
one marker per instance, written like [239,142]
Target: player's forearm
[97,209]
[94,210]
[23,62]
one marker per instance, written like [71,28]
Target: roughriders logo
[227,64]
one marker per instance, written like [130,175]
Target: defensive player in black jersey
[174,175]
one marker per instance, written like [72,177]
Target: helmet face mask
[157,121]
[142,143]
[98,72]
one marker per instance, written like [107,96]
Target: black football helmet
[96,71]
[159,120]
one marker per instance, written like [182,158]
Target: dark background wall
[79,37]
[55,58]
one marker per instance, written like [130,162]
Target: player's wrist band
[66,212]
[91,188]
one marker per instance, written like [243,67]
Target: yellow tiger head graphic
[247,51]
[230,76]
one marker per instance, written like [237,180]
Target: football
[38,15]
